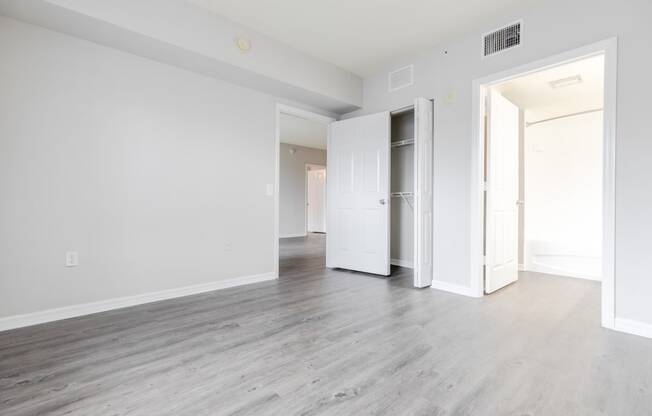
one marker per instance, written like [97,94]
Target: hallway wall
[292,187]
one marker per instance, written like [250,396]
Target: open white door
[501,236]
[423,166]
[358,194]
[316,199]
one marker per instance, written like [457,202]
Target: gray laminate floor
[325,342]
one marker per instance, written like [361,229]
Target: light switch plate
[72,259]
[269,189]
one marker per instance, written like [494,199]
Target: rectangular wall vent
[502,39]
[401,78]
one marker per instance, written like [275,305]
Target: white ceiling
[358,35]
[302,132]
[534,94]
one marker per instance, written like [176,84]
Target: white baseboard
[453,288]
[402,263]
[559,272]
[293,235]
[19,321]
[633,327]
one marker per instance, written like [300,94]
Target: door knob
[382,202]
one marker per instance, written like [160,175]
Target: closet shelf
[404,142]
[404,196]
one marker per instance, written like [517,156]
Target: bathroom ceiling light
[565,82]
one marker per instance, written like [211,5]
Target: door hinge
[485,186]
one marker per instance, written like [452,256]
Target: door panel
[423,171]
[358,192]
[370,174]
[501,237]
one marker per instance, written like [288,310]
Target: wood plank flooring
[328,342]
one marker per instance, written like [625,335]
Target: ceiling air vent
[401,78]
[502,39]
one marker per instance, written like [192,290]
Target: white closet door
[358,194]
[501,266]
[423,170]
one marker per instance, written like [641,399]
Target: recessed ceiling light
[243,44]
[565,82]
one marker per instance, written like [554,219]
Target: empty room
[242,207]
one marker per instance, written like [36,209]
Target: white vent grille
[401,78]
[502,39]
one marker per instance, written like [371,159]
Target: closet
[379,192]
[402,190]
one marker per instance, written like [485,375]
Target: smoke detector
[243,44]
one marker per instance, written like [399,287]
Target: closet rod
[404,142]
[403,196]
[532,123]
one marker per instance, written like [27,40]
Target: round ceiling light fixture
[243,44]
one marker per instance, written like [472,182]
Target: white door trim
[608,48]
[307,169]
[299,112]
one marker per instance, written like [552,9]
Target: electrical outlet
[228,247]
[72,259]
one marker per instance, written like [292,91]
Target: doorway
[300,198]
[544,196]
[543,147]
[315,198]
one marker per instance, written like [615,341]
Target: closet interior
[402,187]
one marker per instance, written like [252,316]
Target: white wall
[292,187]
[155,175]
[549,27]
[563,195]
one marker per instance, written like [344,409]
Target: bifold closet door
[423,171]
[357,194]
